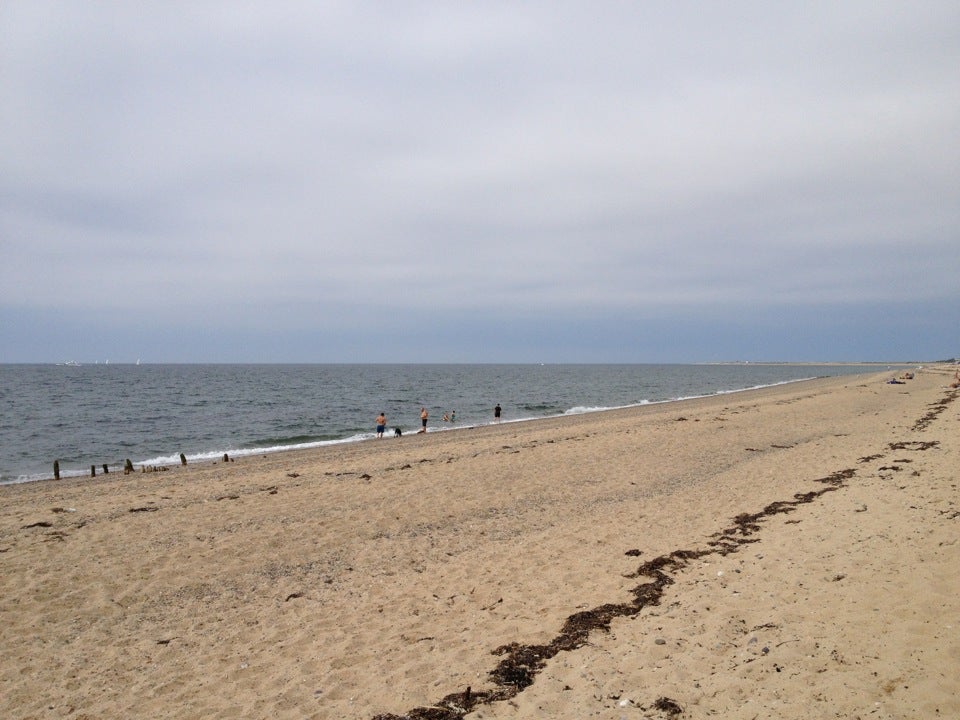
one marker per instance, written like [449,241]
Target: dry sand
[784,553]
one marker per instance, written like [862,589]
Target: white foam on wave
[583,409]
[64,474]
[214,455]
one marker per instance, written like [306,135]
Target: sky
[479,182]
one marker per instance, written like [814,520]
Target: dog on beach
[397,432]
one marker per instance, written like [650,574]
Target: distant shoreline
[792,363]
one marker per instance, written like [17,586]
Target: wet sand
[789,552]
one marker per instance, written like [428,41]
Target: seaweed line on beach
[935,409]
[522,663]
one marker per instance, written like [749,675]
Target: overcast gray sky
[479,182]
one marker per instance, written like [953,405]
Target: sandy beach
[790,552]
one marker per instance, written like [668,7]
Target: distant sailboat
[138,361]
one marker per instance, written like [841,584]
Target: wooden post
[106,469]
[127,467]
[183,459]
[93,471]
[56,469]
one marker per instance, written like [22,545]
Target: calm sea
[95,414]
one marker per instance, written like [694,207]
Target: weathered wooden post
[127,467]
[183,459]
[93,471]
[106,469]
[56,469]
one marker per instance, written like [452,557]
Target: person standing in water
[496,413]
[381,424]
[423,419]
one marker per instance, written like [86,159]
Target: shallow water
[95,414]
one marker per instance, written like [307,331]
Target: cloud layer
[494,182]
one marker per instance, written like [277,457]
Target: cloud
[353,168]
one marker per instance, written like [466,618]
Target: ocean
[108,413]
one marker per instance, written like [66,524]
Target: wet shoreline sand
[785,552]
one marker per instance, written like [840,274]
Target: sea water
[105,414]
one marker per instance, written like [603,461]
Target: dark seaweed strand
[935,409]
[522,663]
